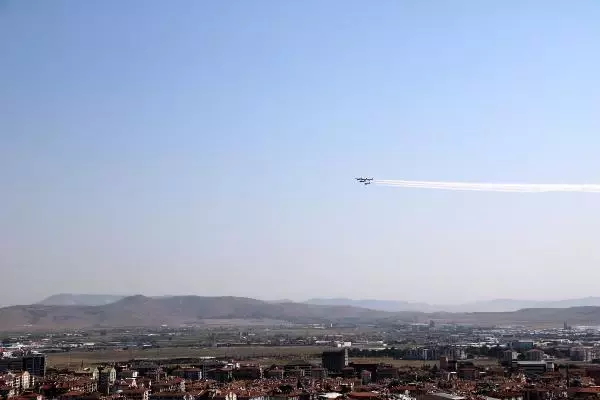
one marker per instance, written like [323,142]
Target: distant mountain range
[69,299]
[142,311]
[498,305]
[383,305]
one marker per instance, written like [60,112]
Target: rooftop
[448,396]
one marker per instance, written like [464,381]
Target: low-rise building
[274,373]
[387,372]
[441,396]
[128,373]
[248,372]
[171,385]
[318,373]
[171,396]
[521,345]
[189,374]
[295,373]
[468,373]
[533,367]
[136,394]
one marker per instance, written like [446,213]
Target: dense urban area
[411,361]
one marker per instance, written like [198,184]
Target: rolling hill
[586,315]
[497,305]
[142,311]
[69,299]
[176,310]
[382,305]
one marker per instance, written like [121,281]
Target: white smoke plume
[493,187]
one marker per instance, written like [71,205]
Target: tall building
[456,353]
[533,367]
[508,356]
[585,354]
[427,354]
[335,360]
[444,363]
[534,355]
[35,364]
[106,378]
[11,364]
[365,377]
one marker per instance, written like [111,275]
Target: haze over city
[210,148]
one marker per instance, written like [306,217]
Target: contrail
[492,187]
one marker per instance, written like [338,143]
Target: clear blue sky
[209,147]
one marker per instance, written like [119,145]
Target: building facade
[35,364]
[335,360]
[534,355]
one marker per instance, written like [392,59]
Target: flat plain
[279,355]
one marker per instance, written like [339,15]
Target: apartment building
[335,360]
[35,364]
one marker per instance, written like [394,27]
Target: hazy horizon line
[309,298]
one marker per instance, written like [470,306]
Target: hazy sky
[209,147]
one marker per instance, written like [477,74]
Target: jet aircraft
[365,181]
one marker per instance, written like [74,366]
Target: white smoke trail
[493,187]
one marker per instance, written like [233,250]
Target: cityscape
[294,362]
[299,200]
